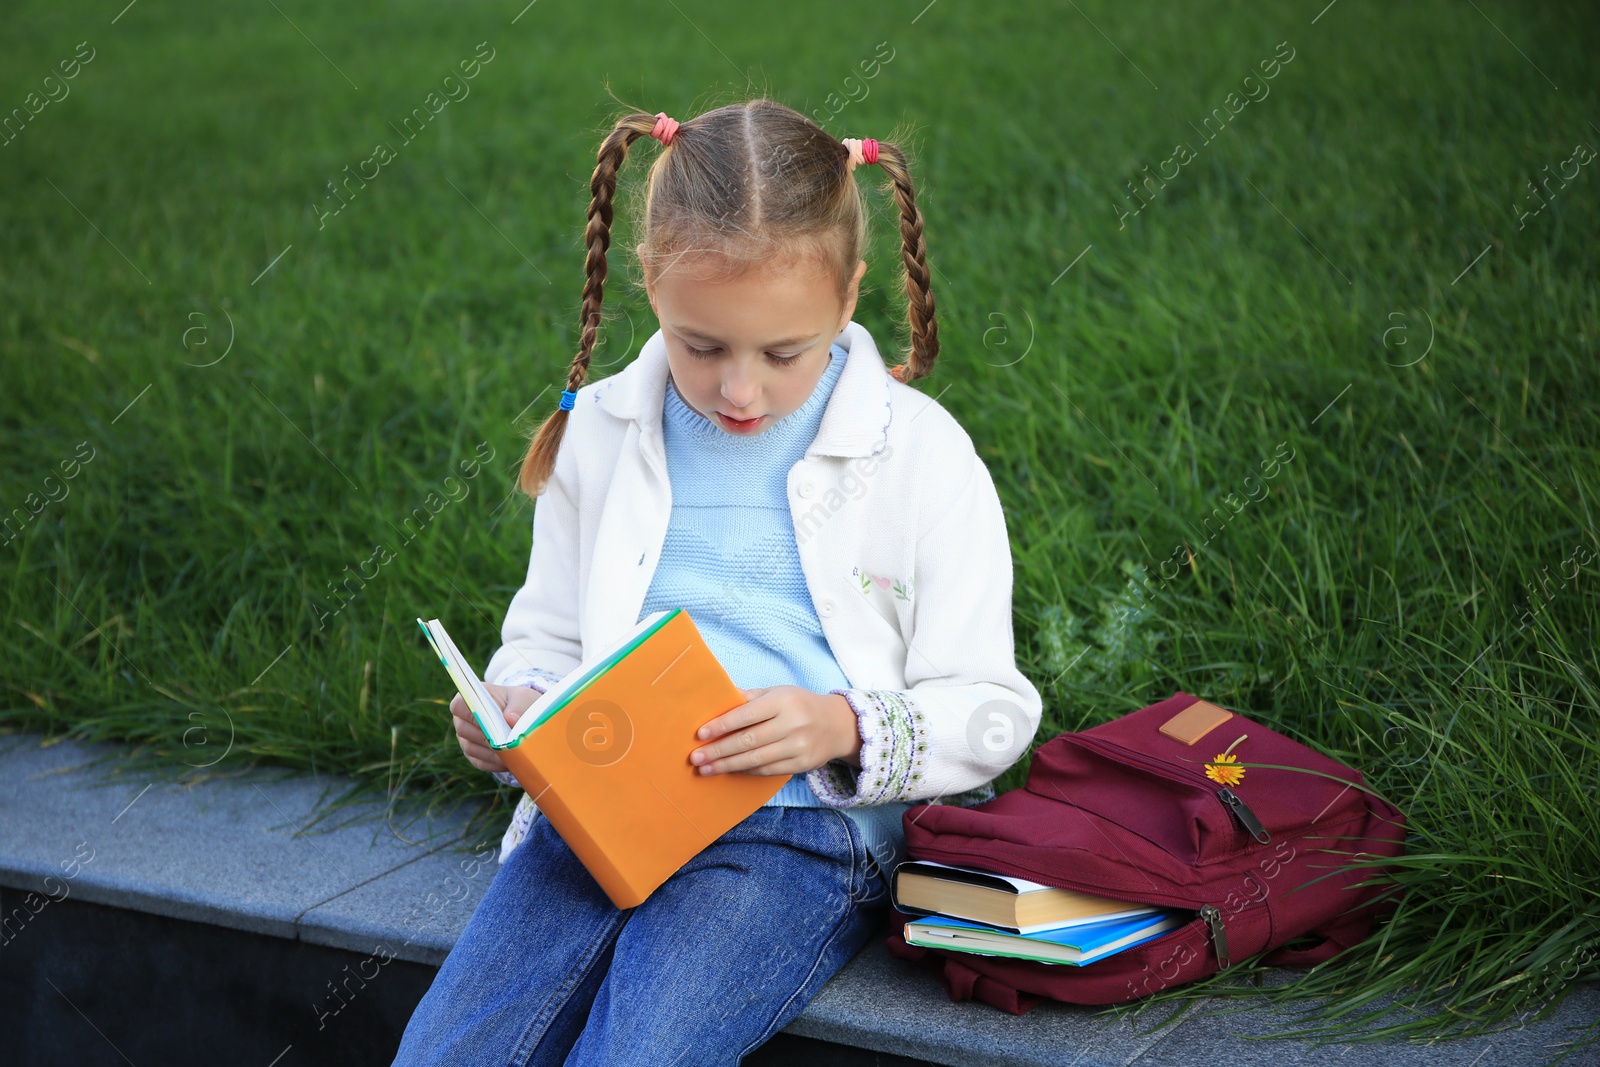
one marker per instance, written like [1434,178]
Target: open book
[491,719]
[604,753]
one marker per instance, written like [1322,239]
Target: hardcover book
[605,753]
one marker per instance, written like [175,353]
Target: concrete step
[230,851]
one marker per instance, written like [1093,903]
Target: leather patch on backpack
[1195,721]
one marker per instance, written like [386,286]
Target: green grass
[1367,599]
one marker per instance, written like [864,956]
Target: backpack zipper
[1246,817]
[1213,917]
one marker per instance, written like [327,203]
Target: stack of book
[965,909]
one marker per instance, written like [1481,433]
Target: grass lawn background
[1345,284]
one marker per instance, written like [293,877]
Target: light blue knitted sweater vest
[730,561]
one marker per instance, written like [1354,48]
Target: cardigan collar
[855,422]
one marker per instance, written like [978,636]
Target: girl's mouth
[738,426]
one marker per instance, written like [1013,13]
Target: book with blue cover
[1075,946]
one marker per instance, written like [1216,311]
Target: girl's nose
[740,390]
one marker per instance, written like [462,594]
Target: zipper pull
[1213,917]
[1246,817]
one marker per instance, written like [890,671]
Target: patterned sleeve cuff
[505,778]
[521,823]
[532,677]
[894,747]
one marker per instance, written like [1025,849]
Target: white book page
[1022,885]
[489,709]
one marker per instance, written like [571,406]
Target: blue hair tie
[568,397]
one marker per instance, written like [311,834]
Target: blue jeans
[718,959]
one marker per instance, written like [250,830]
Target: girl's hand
[513,700]
[781,729]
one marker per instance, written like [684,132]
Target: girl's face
[747,352]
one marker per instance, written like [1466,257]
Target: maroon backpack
[1260,849]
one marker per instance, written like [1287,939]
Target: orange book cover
[611,769]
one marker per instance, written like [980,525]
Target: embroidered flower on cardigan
[902,589]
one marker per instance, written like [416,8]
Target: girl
[840,546]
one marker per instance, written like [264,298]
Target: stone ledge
[230,851]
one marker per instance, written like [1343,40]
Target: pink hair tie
[665,128]
[861,151]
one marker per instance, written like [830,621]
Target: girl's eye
[707,353]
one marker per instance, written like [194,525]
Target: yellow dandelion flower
[1224,770]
